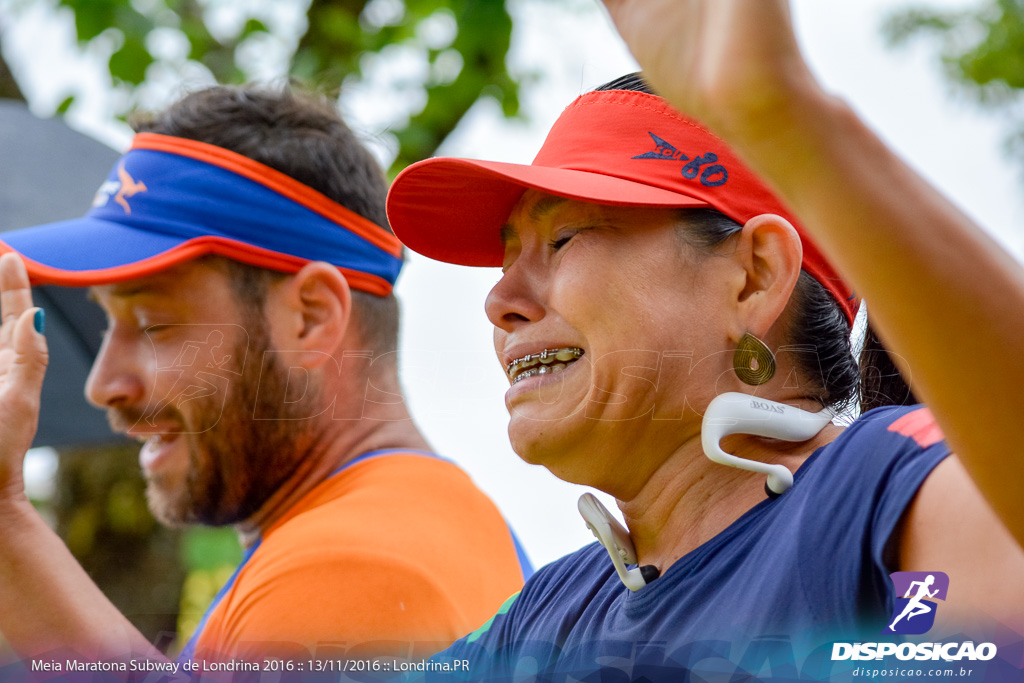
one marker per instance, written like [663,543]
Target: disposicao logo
[914,612]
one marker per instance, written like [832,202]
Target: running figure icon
[916,605]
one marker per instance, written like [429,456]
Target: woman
[646,271]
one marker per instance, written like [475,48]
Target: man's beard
[238,456]
[249,453]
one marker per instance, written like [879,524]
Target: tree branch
[8,85]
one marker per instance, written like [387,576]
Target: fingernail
[39,320]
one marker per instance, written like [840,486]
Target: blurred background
[415,78]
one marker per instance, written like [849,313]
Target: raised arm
[943,295]
[47,601]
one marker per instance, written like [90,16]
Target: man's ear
[312,312]
[770,252]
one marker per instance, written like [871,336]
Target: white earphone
[614,537]
[728,413]
[736,413]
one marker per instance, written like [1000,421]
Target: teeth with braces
[547,361]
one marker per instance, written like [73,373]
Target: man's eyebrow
[127,289]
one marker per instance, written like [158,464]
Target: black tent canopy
[49,172]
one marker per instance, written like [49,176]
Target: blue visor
[169,200]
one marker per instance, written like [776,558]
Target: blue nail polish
[39,320]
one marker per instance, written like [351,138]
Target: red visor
[611,147]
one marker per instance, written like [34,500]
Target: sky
[453,383]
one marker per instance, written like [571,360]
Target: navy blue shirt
[788,576]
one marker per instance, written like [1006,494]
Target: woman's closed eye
[564,238]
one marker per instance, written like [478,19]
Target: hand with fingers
[728,63]
[46,599]
[23,359]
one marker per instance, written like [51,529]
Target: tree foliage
[460,47]
[8,85]
[982,52]
[100,511]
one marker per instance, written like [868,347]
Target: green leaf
[132,23]
[130,62]
[63,107]
[199,38]
[510,103]
[221,62]
[252,26]
[209,548]
[899,27]
[93,17]
[337,24]
[306,65]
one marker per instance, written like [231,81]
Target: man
[238,252]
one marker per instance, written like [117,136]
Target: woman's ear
[312,313]
[771,253]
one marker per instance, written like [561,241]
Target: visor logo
[129,188]
[121,190]
[914,612]
[711,174]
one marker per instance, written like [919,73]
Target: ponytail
[881,383]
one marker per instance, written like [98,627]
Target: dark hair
[303,136]
[817,322]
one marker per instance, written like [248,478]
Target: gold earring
[753,361]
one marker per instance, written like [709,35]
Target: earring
[753,361]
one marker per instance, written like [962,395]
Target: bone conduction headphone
[728,413]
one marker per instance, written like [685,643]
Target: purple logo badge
[916,593]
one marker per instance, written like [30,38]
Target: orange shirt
[398,553]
